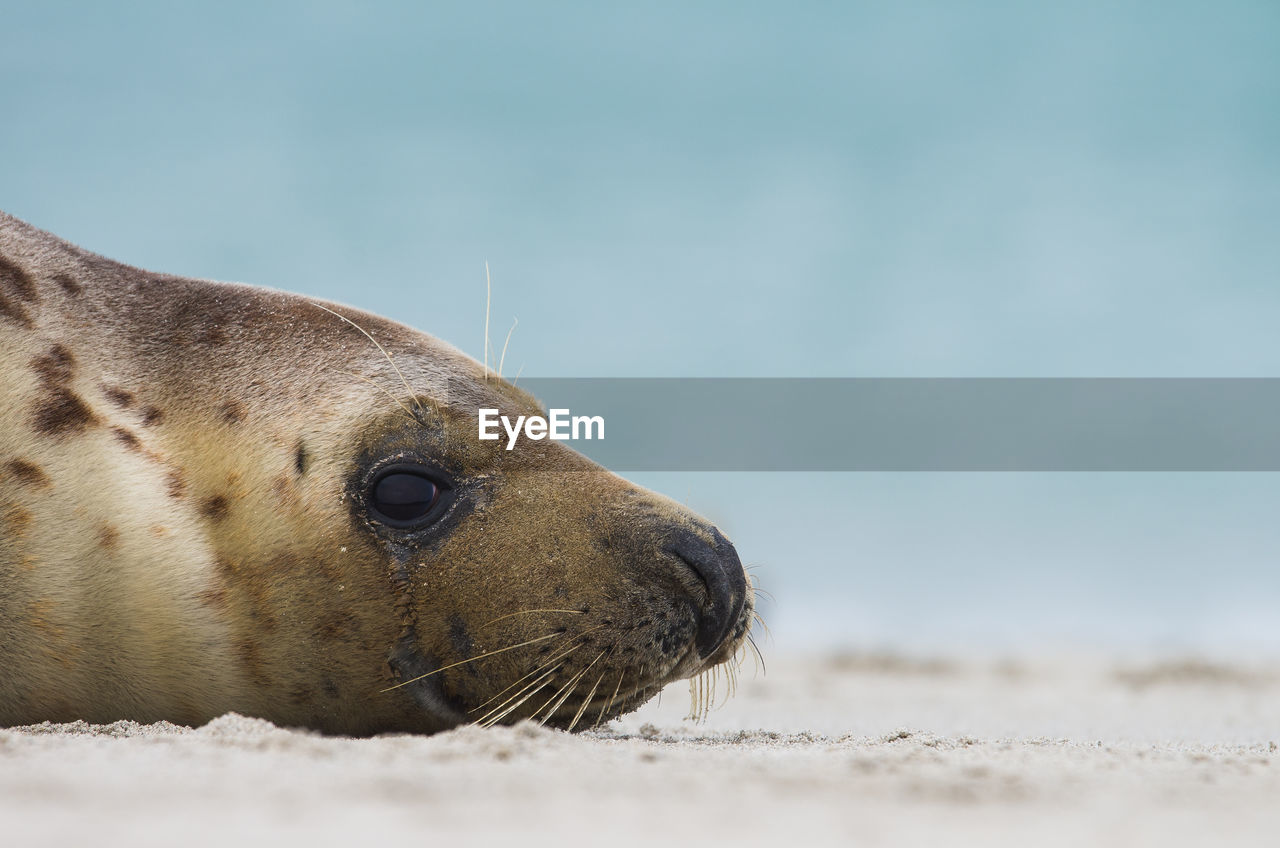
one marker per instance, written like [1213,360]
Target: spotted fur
[181,529]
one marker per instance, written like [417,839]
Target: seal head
[219,497]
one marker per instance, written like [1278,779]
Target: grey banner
[925,424]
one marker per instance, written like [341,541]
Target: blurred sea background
[746,189]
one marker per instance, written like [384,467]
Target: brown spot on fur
[15,313]
[27,472]
[16,279]
[55,367]
[216,597]
[126,438]
[108,537]
[199,321]
[61,411]
[16,519]
[301,459]
[16,285]
[152,415]
[174,484]
[215,508]
[233,412]
[284,490]
[68,284]
[118,396]
[159,531]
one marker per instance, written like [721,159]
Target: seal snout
[714,560]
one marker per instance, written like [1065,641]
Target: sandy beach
[841,749]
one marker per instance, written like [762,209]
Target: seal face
[217,497]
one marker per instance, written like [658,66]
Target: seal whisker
[503,357]
[490,722]
[609,703]
[759,656]
[473,659]
[561,694]
[545,678]
[488,297]
[556,658]
[647,691]
[531,612]
[713,685]
[504,709]
[754,579]
[542,678]
[758,619]
[543,673]
[559,697]
[383,350]
[693,697]
[572,647]
[382,389]
[590,695]
[586,700]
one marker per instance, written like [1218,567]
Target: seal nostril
[693,569]
[716,564]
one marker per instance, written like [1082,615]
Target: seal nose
[716,562]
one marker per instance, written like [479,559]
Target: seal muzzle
[715,560]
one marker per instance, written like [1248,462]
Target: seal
[216,497]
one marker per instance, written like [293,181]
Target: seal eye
[402,498]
